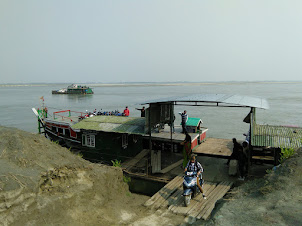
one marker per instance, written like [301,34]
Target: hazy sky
[150,40]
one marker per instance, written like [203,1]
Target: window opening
[88,140]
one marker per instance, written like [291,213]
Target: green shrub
[286,153]
[116,163]
[126,179]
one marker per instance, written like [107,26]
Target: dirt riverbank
[42,183]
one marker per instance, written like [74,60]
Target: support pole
[251,131]
[149,122]
[39,126]
[171,124]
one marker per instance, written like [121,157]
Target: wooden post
[251,131]
[39,126]
[147,167]
[150,140]
[277,156]
[171,124]
[156,161]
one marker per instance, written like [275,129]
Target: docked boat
[74,89]
[107,137]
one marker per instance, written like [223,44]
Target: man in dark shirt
[143,111]
[242,160]
[236,148]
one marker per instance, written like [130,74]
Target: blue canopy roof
[227,100]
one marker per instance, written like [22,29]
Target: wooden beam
[172,166]
[127,165]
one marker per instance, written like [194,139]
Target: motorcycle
[190,188]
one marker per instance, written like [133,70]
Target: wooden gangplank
[127,165]
[170,197]
[221,148]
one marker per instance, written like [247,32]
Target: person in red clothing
[126,111]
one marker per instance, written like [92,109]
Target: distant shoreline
[142,84]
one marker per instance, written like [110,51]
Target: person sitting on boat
[194,166]
[126,111]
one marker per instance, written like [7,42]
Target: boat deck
[213,147]
[170,197]
[71,120]
[178,136]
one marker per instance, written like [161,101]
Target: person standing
[236,148]
[184,119]
[171,124]
[186,150]
[143,111]
[126,111]
[242,160]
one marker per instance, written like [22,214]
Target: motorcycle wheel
[187,200]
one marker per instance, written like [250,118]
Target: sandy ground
[42,183]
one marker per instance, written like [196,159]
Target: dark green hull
[74,91]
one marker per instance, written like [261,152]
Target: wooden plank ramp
[170,197]
[172,166]
[127,165]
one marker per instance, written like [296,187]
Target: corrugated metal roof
[225,99]
[276,136]
[116,124]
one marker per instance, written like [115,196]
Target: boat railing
[57,114]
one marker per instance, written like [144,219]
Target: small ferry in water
[74,89]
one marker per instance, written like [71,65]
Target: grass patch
[286,153]
[126,179]
[116,163]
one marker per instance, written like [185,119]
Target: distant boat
[74,89]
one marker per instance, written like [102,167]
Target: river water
[284,98]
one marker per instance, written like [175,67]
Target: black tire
[187,199]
